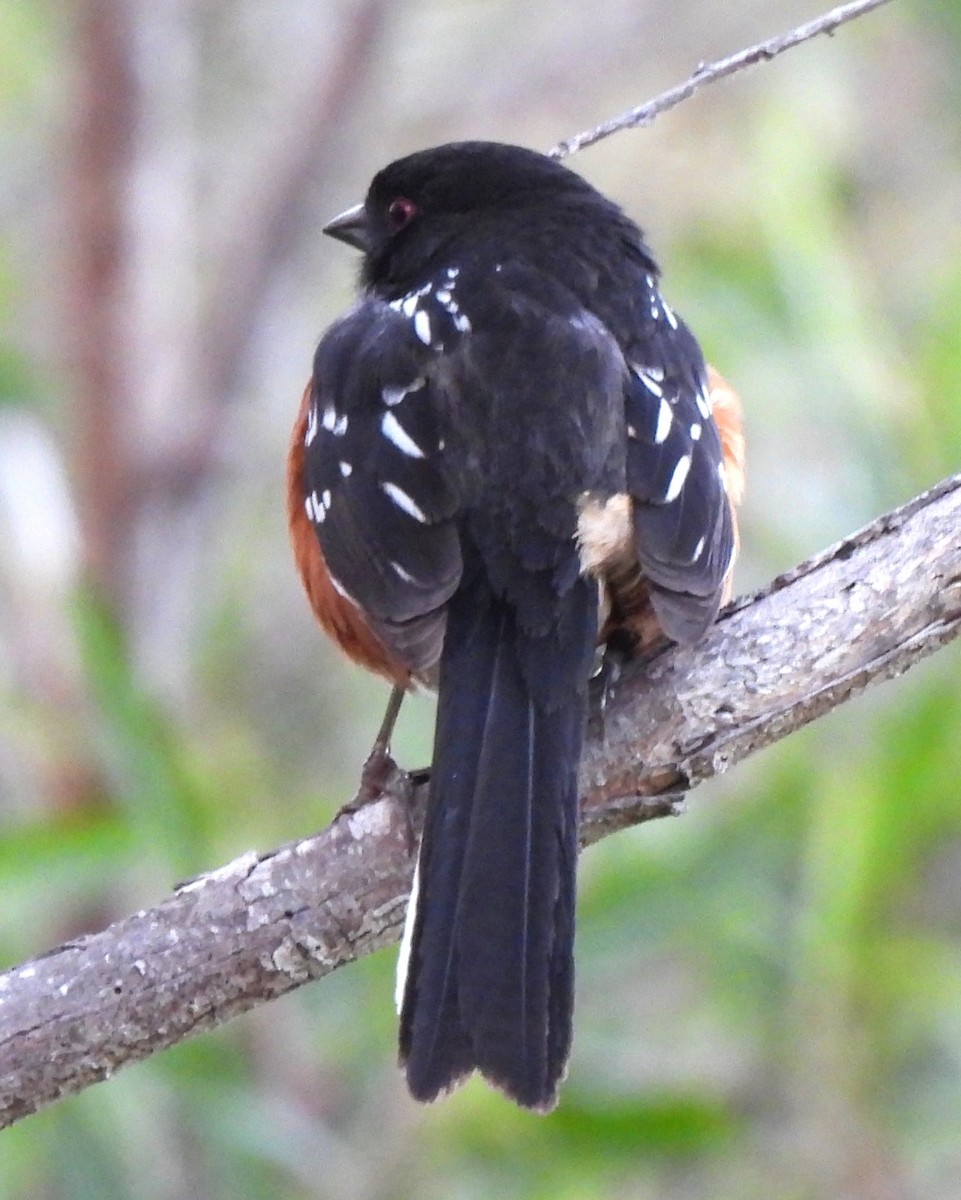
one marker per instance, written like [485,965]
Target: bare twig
[264,924]
[707,73]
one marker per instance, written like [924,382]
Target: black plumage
[510,360]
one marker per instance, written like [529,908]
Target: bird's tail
[486,980]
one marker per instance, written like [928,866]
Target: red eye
[400,212]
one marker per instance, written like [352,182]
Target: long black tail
[489,955]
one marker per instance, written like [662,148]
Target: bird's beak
[351,227]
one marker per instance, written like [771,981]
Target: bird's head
[417,205]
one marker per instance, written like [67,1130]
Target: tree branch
[860,612]
[645,114]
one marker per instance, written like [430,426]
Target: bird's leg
[379,765]
[379,770]
[611,658]
[640,642]
[380,773]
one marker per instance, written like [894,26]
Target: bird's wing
[684,524]
[374,481]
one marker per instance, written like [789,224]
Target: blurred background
[769,988]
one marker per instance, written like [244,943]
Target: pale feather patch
[605,533]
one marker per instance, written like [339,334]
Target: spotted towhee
[510,448]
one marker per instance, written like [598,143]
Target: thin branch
[707,73]
[860,612]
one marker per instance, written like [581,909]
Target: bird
[509,455]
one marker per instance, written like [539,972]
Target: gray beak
[351,227]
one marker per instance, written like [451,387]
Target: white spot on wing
[345,469]
[647,378]
[316,507]
[392,396]
[698,550]
[404,502]
[392,429]
[669,313]
[678,478]
[340,589]
[401,572]
[312,424]
[664,420]
[330,417]
[696,431]
[422,326]
[703,403]
[462,323]
[340,426]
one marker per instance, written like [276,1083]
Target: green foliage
[142,751]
